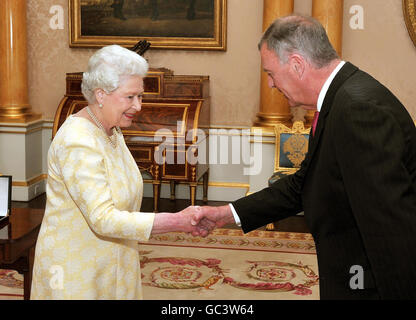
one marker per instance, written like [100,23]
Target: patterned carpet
[226,265]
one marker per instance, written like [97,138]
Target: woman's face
[120,106]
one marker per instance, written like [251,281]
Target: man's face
[281,76]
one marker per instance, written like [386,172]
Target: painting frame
[409,13]
[217,42]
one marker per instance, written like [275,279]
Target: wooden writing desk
[17,242]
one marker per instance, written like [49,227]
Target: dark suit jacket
[357,187]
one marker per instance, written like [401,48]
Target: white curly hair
[107,66]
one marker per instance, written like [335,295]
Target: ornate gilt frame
[409,12]
[297,128]
[218,42]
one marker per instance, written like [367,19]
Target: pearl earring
[100,105]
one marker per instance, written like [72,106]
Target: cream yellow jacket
[87,245]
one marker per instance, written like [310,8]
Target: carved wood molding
[409,12]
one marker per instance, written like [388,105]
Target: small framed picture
[5,196]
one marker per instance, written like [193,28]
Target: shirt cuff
[236,217]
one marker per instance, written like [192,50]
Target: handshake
[199,221]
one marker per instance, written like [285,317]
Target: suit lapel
[344,73]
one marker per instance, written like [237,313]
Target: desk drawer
[175,166]
[142,154]
[175,171]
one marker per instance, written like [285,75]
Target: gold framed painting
[409,12]
[166,24]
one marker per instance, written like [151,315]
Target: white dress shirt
[326,85]
[320,101]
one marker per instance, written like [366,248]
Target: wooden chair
[291,146]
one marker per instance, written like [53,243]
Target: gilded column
[14,102]
[330,14]
[274,107]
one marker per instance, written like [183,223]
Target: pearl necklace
[113,142]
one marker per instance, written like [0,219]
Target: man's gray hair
[299,34]
[107,66]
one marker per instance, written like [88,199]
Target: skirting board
[27,193]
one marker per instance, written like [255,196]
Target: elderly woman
[88,242]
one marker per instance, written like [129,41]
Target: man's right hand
[219,215]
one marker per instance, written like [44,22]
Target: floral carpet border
[235,239]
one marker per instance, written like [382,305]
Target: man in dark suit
[357,184]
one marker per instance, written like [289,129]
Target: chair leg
[24,267]
[156,187]
[172,190]
[205,186]
[156,191]
[192,189]
[27,281]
